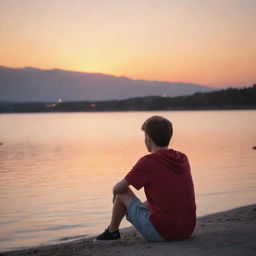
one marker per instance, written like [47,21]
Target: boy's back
[168,185]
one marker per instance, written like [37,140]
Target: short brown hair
[159,129]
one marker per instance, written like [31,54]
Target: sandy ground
[226,233]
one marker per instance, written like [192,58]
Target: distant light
[93,105]
[163,95]
[59,100]
[50,105]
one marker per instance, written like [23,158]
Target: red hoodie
[166,178]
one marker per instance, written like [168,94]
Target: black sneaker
[107,237]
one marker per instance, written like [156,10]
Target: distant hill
[232,98]
[36,85]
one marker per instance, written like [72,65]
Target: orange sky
[211,42]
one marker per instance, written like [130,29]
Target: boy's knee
[126,196]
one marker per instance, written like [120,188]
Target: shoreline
[133,110]
[230,232]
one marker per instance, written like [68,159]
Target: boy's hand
[119,188]
[114,197]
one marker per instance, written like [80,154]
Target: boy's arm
[120,186]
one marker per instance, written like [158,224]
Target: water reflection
[57,170]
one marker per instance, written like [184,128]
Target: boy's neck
[156,148]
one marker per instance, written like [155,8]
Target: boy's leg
[111,234]
[120,206]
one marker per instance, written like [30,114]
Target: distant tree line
[231,98]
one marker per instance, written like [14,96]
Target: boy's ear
[148,137]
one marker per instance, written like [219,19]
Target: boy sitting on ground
[170,211]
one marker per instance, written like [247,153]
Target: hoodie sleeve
[139,175]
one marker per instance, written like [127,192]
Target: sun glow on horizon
[206,42]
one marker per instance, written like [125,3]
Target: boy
[170,211]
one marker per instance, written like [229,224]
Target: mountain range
[36,85]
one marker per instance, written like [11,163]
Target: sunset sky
[211,42]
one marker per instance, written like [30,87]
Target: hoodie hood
[172,159]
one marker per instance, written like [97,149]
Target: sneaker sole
[110,242]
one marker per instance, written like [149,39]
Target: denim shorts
[139,215]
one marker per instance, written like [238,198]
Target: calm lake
[57,169]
